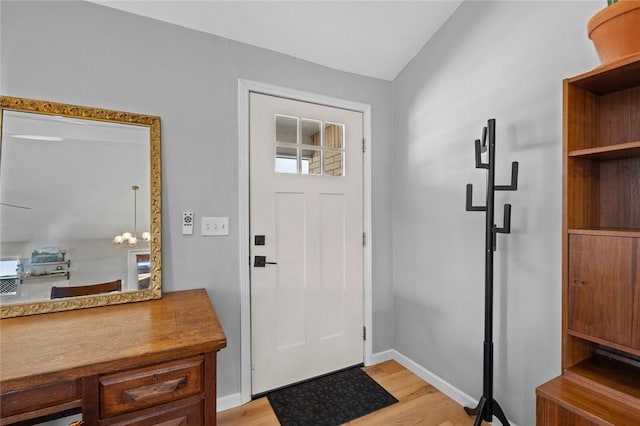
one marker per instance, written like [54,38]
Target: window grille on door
[309,147]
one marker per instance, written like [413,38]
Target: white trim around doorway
[245,87]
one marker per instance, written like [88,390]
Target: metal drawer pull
[156,389]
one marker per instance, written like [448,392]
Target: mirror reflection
[75,206]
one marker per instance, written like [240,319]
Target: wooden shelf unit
[600,253]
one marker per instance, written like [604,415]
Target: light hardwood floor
[419,403]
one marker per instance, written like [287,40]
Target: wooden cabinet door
[601,287]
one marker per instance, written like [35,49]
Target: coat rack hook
[506,226]
[484,138]
[479,150]
[470,207]
[506,221]
[514,180]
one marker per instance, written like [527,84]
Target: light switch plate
[215,226]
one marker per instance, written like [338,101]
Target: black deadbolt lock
[259,240]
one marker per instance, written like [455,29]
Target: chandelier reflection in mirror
[128,237]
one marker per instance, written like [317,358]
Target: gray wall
[82,53]
[503,60]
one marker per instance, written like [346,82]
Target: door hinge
[364,145]
[364,238]
[364,333]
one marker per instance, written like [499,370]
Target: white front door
[306,223]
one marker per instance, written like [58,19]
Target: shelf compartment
[603,194]
[595,121]
[56,273]
[611,77]
[610,376]
[597,341]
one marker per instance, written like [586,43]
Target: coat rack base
[485,410]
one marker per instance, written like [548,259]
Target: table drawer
[189,412]
[137,389]
[42,399]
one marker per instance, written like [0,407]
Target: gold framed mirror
[80,207]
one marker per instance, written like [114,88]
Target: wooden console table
[146,363]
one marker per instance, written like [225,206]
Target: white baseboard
[228,401]
[437,382]
[443,386]
[387,355]
[234,400]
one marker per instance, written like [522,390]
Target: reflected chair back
[84,290]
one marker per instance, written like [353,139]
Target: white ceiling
[371,38]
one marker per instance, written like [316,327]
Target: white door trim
[245,87]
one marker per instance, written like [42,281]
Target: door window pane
[313,158]
[333,135]
[286,159]
[286,129]
[311,132]
[333,163]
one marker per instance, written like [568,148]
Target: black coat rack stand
[487,406]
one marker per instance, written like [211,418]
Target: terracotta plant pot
[615,30]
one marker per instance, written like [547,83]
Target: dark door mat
[329,400]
